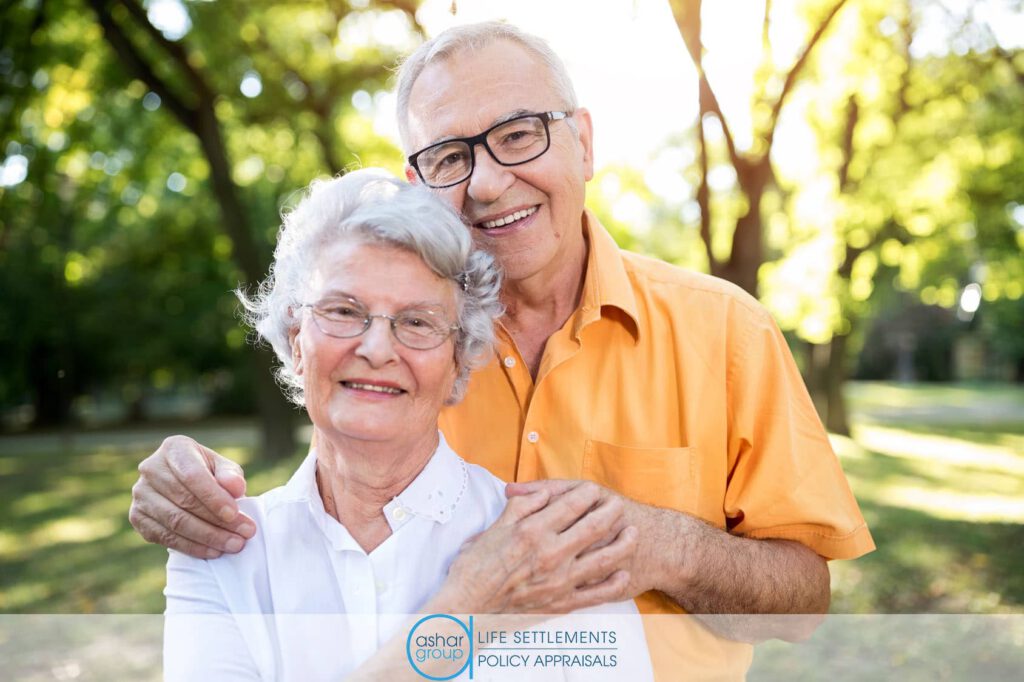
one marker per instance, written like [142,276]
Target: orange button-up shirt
[673,388]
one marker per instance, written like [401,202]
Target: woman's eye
[343,311]
[417,323]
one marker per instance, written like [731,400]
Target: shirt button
[510,362]
[533,436]
[398,514]
[381,586]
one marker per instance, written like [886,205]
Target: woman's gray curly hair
[372,206]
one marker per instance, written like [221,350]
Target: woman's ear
[293,339]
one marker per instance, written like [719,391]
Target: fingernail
[247,530]
[234,544]
[212,554]
[227,513]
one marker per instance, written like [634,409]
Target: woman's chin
[361,431]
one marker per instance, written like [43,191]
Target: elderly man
[673,391]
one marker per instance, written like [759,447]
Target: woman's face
[371,387]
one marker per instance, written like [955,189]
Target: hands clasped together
[558,546]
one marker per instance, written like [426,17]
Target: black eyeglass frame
[392,320]
[545,117]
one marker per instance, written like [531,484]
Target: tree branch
[794,72]
[846,147]
[704,198]
[130,56]
[409,7]
[175,50]
[688,21]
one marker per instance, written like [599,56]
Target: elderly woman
[378,307]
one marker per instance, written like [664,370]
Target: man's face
[469,93]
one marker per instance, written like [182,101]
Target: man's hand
[185,499]
[702,568]
[558,546]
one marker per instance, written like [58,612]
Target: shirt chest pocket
[663,477]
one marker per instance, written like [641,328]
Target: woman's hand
[185,499]
[561,547]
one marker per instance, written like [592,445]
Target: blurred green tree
[158,145]
[877,204]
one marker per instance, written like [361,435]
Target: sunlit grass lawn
[66,545]
[939,472]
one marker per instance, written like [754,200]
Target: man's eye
[515,136]
[452,159]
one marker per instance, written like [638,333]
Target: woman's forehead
[378,273]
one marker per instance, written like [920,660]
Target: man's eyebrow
[516,113]
[504,118]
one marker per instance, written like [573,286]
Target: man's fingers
[228,474]
[597,527]
[615,588]
[598,565]
[553,486]
[564,511]
[199,491]
[192,528]
[152,531]
[522,506]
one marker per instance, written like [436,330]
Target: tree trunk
[277,415]
[824,374]
[201,120]
[835,415]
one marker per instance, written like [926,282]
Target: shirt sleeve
[202,639]
[785,481]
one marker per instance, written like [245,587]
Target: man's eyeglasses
[419,328]
[510,143]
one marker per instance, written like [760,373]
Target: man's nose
[489,179]
[377,344]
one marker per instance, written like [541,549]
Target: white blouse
[333,604]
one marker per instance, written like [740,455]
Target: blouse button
[398,514]
[533,436]
[510,362]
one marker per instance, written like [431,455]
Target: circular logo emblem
[439,650]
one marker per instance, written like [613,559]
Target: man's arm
[185,499]
[725,578]
[576,544]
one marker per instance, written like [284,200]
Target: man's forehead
[464,93]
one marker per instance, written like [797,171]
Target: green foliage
[919,156]
[114,252]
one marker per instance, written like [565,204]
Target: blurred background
[856,164]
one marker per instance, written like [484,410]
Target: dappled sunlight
[942,476]
[951,504]
[68,530]
[939,449]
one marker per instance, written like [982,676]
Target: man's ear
[586,131]
[293,340]
[410,175]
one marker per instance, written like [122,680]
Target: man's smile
[510,219]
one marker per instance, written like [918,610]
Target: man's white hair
[371,206]
[471,37]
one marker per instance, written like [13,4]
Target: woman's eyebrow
[413,305]
[337,293]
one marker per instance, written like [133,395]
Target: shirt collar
[434,494]
[607,284]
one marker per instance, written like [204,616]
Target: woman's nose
[378,343]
